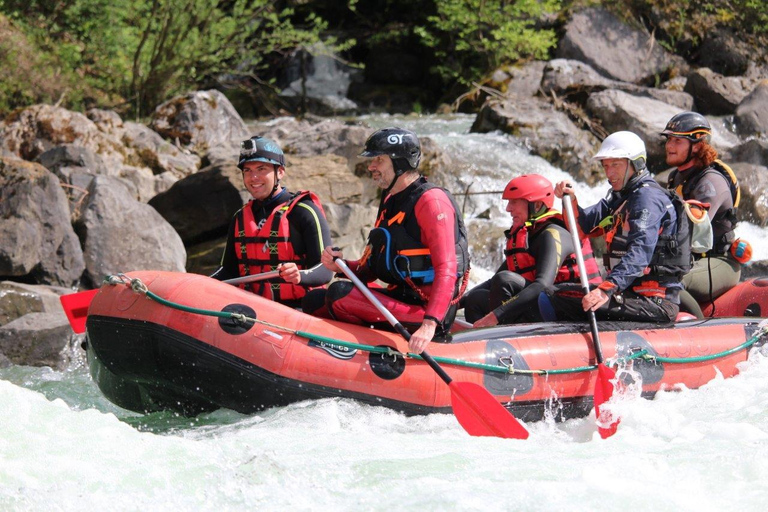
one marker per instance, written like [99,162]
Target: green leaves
[473,37]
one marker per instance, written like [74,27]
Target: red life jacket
[520,260]
[262,249]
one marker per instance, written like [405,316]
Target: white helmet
[624,145]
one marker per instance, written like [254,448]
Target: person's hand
[289,272]
[562,188]
[330,254]
[594,299]
[423,335]
[488,320]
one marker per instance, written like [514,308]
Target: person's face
[518,210]
[677,150]
[618,171]
[259,178]
[382,171]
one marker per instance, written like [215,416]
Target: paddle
[475,408]
[76,304]
[603,386]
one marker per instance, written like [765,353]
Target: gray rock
[36,339]
[716,94]
[724,52]
[754,192]
[18,299]
[350,225]
[754,151]
[566,77]
[63,160]
[38,240]
[201,205]
[120,234]
[199,120]
[752,113]
[563,76]
[30,132]
[320,81]
[618,110]
[600,39]
[525,80]
[547,132]
[157,154]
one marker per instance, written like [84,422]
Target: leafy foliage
[472,37]
[139,52]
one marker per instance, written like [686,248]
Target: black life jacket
[672,254]
[395,253]
[724,221]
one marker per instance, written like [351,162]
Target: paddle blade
[481,414]
[606,423]
[76,307]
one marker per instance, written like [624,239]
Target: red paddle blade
[603,393]
[482,415]
[76,307]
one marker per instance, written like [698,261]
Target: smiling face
[678,150]
[382,171]
[618,171]
[518,210]
[259,178]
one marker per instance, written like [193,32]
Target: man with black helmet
[699,175]
[418,247]
[648,249]
[276,230]
[539,253]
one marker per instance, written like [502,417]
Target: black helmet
[688,125]
[260,149]
[402,146]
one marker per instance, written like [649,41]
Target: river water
[64,447]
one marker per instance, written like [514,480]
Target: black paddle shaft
[424,355]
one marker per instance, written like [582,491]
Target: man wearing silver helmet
[276,230]
[648,249]
[418,247]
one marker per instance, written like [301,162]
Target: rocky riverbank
[84,195]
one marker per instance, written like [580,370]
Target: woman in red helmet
[539,252]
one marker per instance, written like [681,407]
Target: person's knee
[546,307]
[336,292]
[313,301]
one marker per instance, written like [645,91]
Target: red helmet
[531,187]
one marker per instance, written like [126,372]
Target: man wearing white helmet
[648,252]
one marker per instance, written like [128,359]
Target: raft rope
[506,363]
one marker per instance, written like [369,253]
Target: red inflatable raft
[147,354]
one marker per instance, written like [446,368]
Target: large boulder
[199,120]
[37,339]
[120,234]
[647,117]
[39,243]
[717,94]
[32,131]
[328,176]
[18,299]
[547,132]
[201,205]
[572,78]
[349,225]
[318,82]
[603,41]
[304,138]
[151,150]
[724,52]
[752,113]
[753,151]
[754,197]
